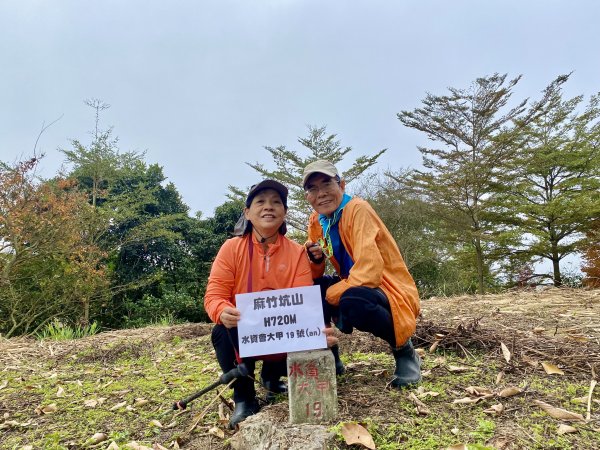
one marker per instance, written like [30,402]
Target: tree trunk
[556,265]
[479,261]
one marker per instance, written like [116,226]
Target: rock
[259,432]
[312,386]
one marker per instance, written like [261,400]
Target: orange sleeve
[221,282]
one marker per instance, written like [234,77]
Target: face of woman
[266,212]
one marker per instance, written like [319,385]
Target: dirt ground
[461,340]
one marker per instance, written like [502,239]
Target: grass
[145,376]
[58,331]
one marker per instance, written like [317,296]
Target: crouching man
[372,290]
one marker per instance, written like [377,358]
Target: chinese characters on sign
[279,321]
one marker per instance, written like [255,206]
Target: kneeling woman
[260,258]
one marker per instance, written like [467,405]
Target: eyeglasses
[326,187]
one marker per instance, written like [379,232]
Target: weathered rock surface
[260,432]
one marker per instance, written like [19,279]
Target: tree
[554,194]
[290,165]
[96,165]
[477,134]
[49,266]
[417,232]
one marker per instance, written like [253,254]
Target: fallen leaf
[422,408]
[467,400]
[564,429]
[48,409]
[478,391]
[424,395]
[27,447]
[539,330]
[454,431]
[157,446]
[420,351]
[133,445]
[97,438]
[426,373]
[383,373]
[510,391]
[14,424]
[559,413]
[90,403]
[117,406]
[458,447]
[434,346]
[552,369]
[499,377]
[4,384]
[156,423]
[216,431]
[113,446]
[580,399]
[452,368]
[505,352]
[60,392]
[495,409]
[122,392]
[356,434]
[140,402]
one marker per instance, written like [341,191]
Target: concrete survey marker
[312,387]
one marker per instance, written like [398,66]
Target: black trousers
[225,341]
[366,309]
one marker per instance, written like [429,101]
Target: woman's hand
[230,316]
[331,339]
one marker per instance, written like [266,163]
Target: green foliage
[477,134]
[169,308]
[57,331]
[290,165]
[554,180]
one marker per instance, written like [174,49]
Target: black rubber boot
[273,387]
[270,377]
[408,366]
[244,396]
[339,365]
[243,409]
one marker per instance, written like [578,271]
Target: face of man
[266,212]
[324,193]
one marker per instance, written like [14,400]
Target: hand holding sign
[230,317]
[282,320]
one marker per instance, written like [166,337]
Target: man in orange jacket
[373,290]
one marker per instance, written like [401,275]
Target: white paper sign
[280,321]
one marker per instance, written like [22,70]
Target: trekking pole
[237,372]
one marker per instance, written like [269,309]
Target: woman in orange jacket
[259,258]
[373,290]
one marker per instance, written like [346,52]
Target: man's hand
[315,252]
[331,339]
[230,317]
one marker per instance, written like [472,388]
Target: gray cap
[319,166]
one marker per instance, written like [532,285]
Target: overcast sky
[202,86]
